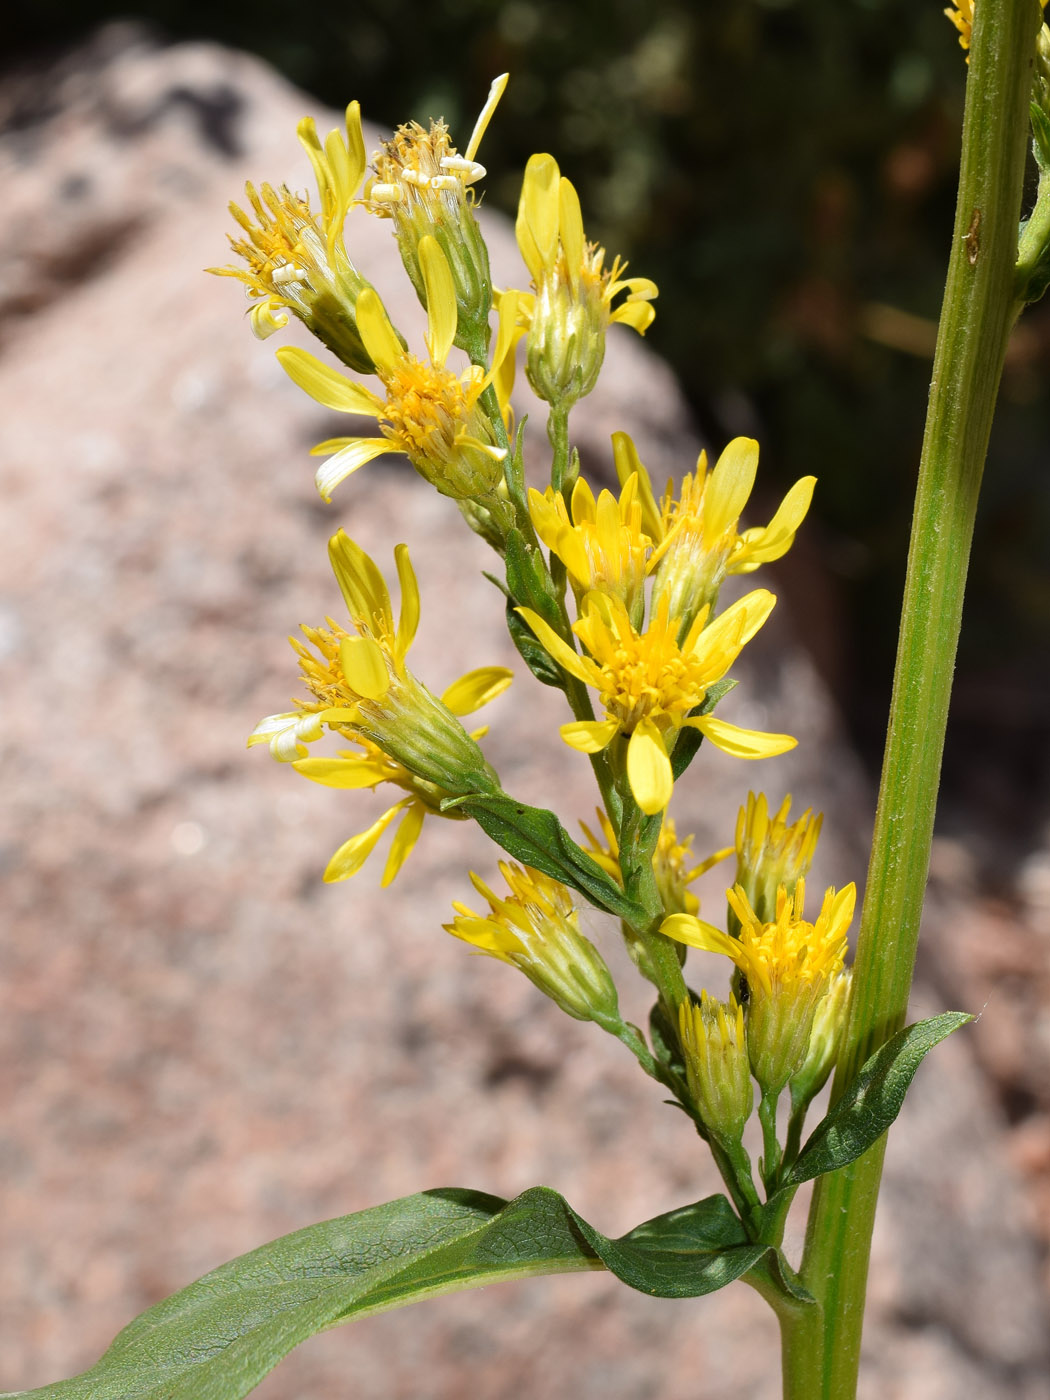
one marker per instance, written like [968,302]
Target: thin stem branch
[979,309]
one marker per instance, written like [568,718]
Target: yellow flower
[362,687]
[770,853]
[601,543]
[672,862]
[574,294]
[429,412]
[427,188]
[696,536]
[714,1047]
[537,930]
[649,684]
[296,259]
[788,963]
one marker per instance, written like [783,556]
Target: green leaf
[536,836]
[688,1252]
[873,1100]
[218,1338]
[530,585]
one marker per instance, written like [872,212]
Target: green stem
[767,1116]
[979,309]
[558,432]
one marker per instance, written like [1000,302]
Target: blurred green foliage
[785,170]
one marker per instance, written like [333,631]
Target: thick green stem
[979,309]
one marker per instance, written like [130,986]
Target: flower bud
[771,854]
[536,929]
[572,304]
[714,1047]
[824,1041]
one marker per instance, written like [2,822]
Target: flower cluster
[612,597]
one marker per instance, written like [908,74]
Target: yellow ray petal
[341,772]
[570,229]
[625,456]
[571,660]
[352,854]
[582,501]
[405,838]
[364,665]
[685,928]
[649,768]
[377,334]
[730,485]
[762,546]
[326,385]
[355,144]
[476,688]
[355,454]
[741,743]
[408,621]
[589,735]
[537,223]
[718,645]
[507,336]
[362,585]
[440,289]
[639,315]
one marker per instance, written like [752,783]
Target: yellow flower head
[788,964]
[697,538]
[296,260]
[714,1047]
[536,928]
[601,543]
[673,860]
[362,688]
[574,293]
[427,188]
[427,411]
[649,684]
[770,853]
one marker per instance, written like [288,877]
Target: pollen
[645,675]
[426,408]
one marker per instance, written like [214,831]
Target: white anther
[288,272]
[386,194]
[414,177]
[445,182]
[470,170]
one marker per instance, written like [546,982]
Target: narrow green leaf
[688,1252]
[529,585]
[536,836]
[873,1100]
[219,1337]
